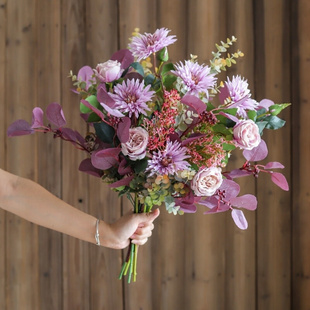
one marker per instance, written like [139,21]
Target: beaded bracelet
[97,233]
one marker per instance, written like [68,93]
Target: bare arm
[32,202]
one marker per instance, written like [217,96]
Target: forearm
[32,202]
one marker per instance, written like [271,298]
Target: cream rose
[135,147]
[246,134]
[108,71]
[206,181]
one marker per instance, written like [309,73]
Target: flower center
[150,40]
[131,98]
[166,161]
[195,79]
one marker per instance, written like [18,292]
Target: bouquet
[162,133]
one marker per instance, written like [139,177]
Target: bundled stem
[130,264]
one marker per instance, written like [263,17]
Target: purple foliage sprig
[250,167]
[57,121]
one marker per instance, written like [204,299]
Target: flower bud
[108,71]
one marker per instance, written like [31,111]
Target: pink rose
[246,134]
[206,181]
[108,71]
[135,147]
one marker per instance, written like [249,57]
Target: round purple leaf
[247,201]
[258,153]
[85,74]
[37,118]
[55,115]
[274,165]
[280,180]
[239,219]
[19,128]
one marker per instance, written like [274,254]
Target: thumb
[149,216]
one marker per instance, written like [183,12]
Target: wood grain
[49,150]
[22,285]
[102,42]
[300,154]
[191,262]
[75,184]
[273,217]
[241,256]
[3,138]
[204,245]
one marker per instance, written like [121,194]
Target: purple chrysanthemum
[240,95]
[143,45]
[196,78]
[169,161]
[131,97]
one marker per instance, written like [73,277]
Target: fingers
[145,227]
[142,233]
[139,242]
[151,216]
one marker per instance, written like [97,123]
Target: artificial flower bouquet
[162,133]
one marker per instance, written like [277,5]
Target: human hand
[135,226]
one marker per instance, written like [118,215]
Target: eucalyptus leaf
[138,68]
[149,79]
[139,165]
[261,126]
[104,132]
[274,122]
[261,112]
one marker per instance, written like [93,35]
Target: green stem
[135,263]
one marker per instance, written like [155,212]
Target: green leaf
[228,147]
[275,109]
[221,48]
[138,68]
[163,55]
[210,106]
[232,111]
[274,122]
[93,118]
[261,112]
[166,68]
[120,188]
[139,165]
[252,115]
[104,132]
[93,101]
[168,81]
[225,121]
[261,125]
[220,128]
[149,79]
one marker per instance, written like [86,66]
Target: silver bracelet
[97,233]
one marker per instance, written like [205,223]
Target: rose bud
[108,71]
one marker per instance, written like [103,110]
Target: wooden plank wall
[192,262]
